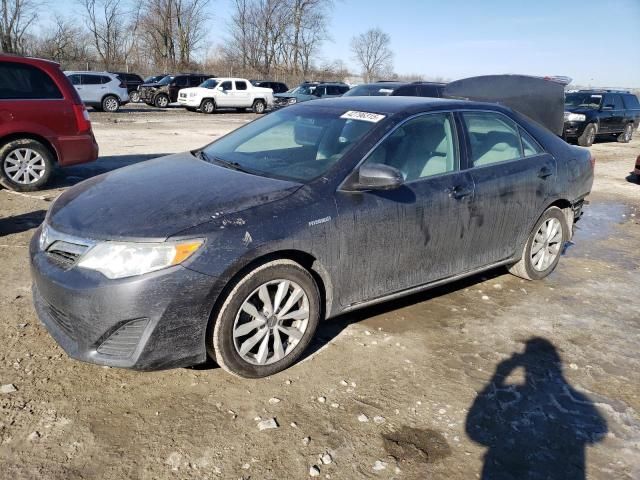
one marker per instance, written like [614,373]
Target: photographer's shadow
[537,429]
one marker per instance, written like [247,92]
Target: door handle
[459,191]
[544,172]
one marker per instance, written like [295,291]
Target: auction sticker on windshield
[365,116]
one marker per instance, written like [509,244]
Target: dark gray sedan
[238,250]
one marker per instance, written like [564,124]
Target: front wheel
[26,165]
[627,134]
[588,136]
[267,320]
[544,246]
[259,106]
[207,106]
[161,101]
[135,96]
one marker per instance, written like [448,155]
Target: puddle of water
[599,220]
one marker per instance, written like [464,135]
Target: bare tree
[109,28]
[64,42]
[373,53]
[15,19]
[191,20]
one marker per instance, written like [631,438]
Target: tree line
[279,39]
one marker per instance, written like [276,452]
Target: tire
[208,106]
[627,134]
[259,106]
[110,104]
[526,267]
[161,101]
[17,154]
[134,96]
[588,136]
[225,347]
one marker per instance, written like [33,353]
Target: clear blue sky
[595,42]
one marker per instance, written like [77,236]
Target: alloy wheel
[592,136]
[271,322]
[24,166]
[111,104]
[627,133]
[546,244]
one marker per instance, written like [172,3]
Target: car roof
[88,72]
[10,57]
[392,105]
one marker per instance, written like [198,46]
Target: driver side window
[422,147]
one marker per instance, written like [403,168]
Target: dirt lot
[489,373]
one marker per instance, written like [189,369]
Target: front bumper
[573,129]
[149,322]
[147,94]
[189,101]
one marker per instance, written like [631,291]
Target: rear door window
[75,79]
[241,85]
[91,79]
[617,102]
[631,101]
[18,81]
[529,145]
[406,91]
[104,79]
[494,138]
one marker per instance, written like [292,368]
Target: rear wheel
[110,104]
[588,136]
[544,246]
[208,106]
[627,134]
[259,106]
[267,320]
[26,165]
[161,101]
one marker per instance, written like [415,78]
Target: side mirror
[376,176]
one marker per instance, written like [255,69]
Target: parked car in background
[597,113]
[164,92]
[277,87]
[132,82]
[310,91]
[414,89]
[43,123]
[240,249]
[103,91]
[154,78]
[220,93]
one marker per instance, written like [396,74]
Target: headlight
[292,101]
[44,233]
[574,117]
[124,259]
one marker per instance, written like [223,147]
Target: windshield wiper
[225,163]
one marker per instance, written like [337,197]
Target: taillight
[593,160]
[82,118]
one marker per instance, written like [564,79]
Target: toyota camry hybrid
[238,250]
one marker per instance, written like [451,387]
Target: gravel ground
[483,376]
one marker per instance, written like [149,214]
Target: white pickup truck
[221,93]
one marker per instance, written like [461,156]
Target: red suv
[43,123]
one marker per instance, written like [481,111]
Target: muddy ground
[488,373]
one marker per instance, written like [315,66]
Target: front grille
[124,341]
[62,319]
[183,95]
[65,254]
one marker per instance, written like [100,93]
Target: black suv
[164,92]
[131,82]
[593,113]
[401,89]
[309,91]
[277,87]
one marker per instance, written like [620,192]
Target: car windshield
[166,80]
[304,89]
[297,144]
[210,83]
[370,91]
[583,100]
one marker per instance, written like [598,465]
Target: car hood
[152,85]
[578,109]
[159,198]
